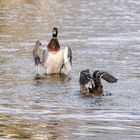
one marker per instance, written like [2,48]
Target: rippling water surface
[103,34]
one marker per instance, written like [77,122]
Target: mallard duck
[53,58]
[91,84]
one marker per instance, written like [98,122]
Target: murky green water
[103,35]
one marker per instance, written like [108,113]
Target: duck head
[54,32]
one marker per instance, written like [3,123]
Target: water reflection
[54,79]
[13,127]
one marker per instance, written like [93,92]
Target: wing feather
[67,53]
[85,77]
[105,75]
[44,56]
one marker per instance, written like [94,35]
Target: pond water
[103,35]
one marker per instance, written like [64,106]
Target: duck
[53,59]
[90,84]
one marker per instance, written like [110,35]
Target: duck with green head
[54,58]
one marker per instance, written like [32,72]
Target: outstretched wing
[44,56]
[86,82]
[36,53]
[85,77]
[67,53]
[104,75]
[36,58]
[39,53]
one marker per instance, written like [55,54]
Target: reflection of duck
[53,59]
[91,85]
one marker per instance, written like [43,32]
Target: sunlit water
[103,34]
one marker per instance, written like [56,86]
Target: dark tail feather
[104,75]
